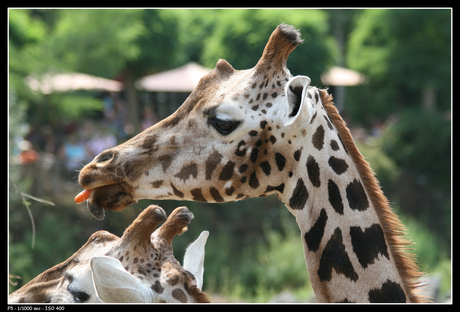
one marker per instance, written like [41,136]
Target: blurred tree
[98,42]
[25,33]
[195,26]
[109,42]
[420,142]
[24,29]
[239,36]
[407,56]
[31,53]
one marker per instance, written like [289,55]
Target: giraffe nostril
[105,156]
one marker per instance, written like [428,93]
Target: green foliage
[91,41]
[158,42]
[420,142]
[444,270]
[26,34]
[424,38]
[366,104]
[431,250]
[384,167]
[402,52]
[83,38]
[281,263]
[412,50]
[369,44]
[20,263]
[74,106]
[101,42]
[428,246]
[407,56]
[229,39]
[23,29]
[64,237]
[194,27]
[62,107]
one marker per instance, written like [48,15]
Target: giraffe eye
[224,127]
[78,296]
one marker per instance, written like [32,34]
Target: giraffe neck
[352,242]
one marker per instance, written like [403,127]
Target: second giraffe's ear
[116,285]
[194,258]
[298,110]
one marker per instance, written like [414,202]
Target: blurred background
[82,81]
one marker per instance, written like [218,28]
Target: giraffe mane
[394,230]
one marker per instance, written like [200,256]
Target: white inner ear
[194,258]
[114,284]
[299,109]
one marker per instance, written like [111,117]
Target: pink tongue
[82,196]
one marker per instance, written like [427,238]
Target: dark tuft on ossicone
[291,34]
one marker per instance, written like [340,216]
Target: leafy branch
[26,203]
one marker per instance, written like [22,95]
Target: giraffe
[138,267]
[255,132]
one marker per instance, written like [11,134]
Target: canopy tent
[339,76]
[50,83]
[181,79]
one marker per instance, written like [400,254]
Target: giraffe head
[223,144]
[138,267]
[249,133]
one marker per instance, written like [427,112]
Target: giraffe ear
[299,111]
[114,284]
[194,258]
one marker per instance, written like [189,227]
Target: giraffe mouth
[112,197]
[96,211]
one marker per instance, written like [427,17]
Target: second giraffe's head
[138,267]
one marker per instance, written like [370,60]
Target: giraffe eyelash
[210,111]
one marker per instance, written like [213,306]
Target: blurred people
[74,153]
[101,140]
[109,109]
[28,155]
[148,119]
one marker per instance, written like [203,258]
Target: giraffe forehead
[250,87]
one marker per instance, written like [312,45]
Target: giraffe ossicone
[261,131]
[139,267]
